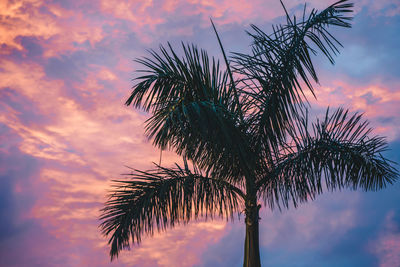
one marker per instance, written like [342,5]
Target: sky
[66,69]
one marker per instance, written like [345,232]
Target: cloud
[56,27]
[387,246]
[62,27]
[64,75]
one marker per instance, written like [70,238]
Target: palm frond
[232,86]
[337,150]
[159,199]
[281,62]
[169,80]
[208,134]
[194,110]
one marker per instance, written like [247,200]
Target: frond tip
[161,198]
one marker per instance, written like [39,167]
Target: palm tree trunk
[251,245]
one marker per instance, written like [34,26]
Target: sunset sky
[65,72]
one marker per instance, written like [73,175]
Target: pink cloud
[387,246]
[189,242]
[306,223]
[82,140]
[23,18]
[376,100]
[81,149]
[57,28]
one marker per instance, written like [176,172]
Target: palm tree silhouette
[247,138]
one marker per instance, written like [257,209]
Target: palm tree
[246,138]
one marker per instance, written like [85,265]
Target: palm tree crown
[247,136]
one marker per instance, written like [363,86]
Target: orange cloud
[83,139]
[89,133]
[58,28]
[189,241]
[23,18]
[82,149]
